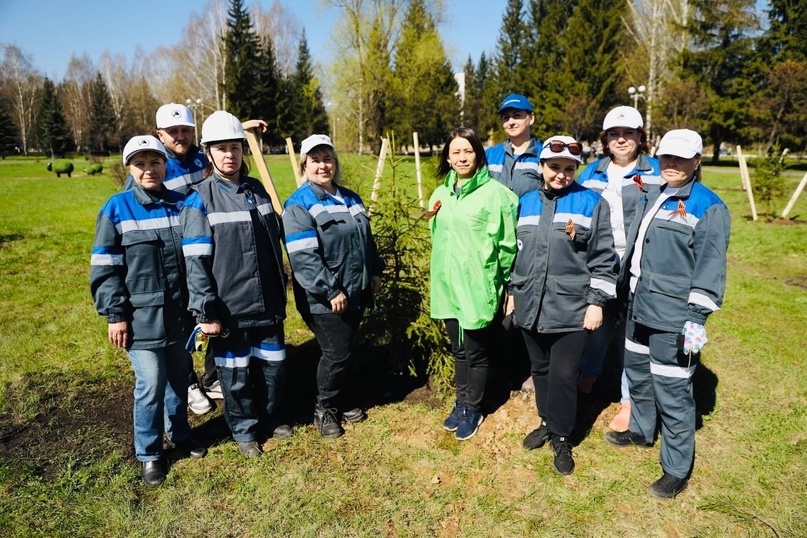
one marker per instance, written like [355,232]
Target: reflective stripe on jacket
[137,271]
[557,274]
[330,247]
[519,173]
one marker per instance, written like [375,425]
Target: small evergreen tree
[769,184]
[313,117]
[243,69]
[50,128]
[8,133]
[102,116]
[267,93]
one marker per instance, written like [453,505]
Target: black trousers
[555,360]
[472,354]
[336,336]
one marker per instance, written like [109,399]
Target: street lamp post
[193,105]
[636,93]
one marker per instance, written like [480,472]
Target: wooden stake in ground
[747,182]
[795,197]
[382,156]
[290,148]
[417,170]
[263,171]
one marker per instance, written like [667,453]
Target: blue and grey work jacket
[231,242]
[636,183]
[519,173]
[137,271]
[565,259]
[682,252]
[330,247]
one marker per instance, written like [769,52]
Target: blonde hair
[323,149]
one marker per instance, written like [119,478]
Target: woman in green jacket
[473,247]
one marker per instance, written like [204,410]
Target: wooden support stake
[263,171]
[293,157]
[379,170]
[417,170]
[747,182]
[795,196]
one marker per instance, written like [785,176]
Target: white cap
[313,141]
[547,153]
[623,116]
[174,114]
[684,143]
[141,143]
[221,125]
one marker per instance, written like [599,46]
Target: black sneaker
[667,487]
[327,424]
[564,462]
[354,416]
[626,438]
[537,438]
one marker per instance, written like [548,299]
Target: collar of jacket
[320,193]
[532,148]
[552,194]
[226,185]
[642,164]
[143,197]
[481,177]
[192,153]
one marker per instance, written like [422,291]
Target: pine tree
[510,47]
[8,133]
[786,36]
[50,128]
[310,113]
[102,117]
[242,52]
[266,93]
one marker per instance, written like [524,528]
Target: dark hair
[644,147]
[470,135]
[209,166]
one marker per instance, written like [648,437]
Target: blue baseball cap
[514,100]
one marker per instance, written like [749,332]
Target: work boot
[327,424]
[152,473]
[249,449]
[190,447]
[354,416]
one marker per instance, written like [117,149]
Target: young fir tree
[509,49]
[242,53]
[102,116]
[8,133]
[266,93]
[51,129]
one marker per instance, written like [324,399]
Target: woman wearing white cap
[336,270]
[622,176]
[562,277]
[675,268]
[231,242]
[137,278]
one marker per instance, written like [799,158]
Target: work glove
[694,337]
[197,340]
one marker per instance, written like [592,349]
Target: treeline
[736,75]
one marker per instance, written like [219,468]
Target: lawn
[67,468]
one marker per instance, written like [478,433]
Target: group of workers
[632,249]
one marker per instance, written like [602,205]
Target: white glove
[694,337]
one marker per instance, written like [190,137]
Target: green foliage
[51,129]
[400,329]
[768,180]
[102,116]
[303,112]
[786,36]
[510,47]
[246,69]
[8,133]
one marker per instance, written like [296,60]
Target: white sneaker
[197,401]
[214,391]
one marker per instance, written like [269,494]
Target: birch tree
[20,84]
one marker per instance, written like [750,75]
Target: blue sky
[49,32]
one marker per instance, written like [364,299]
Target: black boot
[326,422]
[152,473]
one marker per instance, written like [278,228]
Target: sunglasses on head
[556,146]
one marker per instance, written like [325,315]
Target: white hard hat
[221,125]
[173,114]
[141,143]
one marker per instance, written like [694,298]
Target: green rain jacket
[473,248]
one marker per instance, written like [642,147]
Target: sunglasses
[556,146]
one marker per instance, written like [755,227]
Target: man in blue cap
[514,162]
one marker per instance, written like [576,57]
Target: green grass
[397,474]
